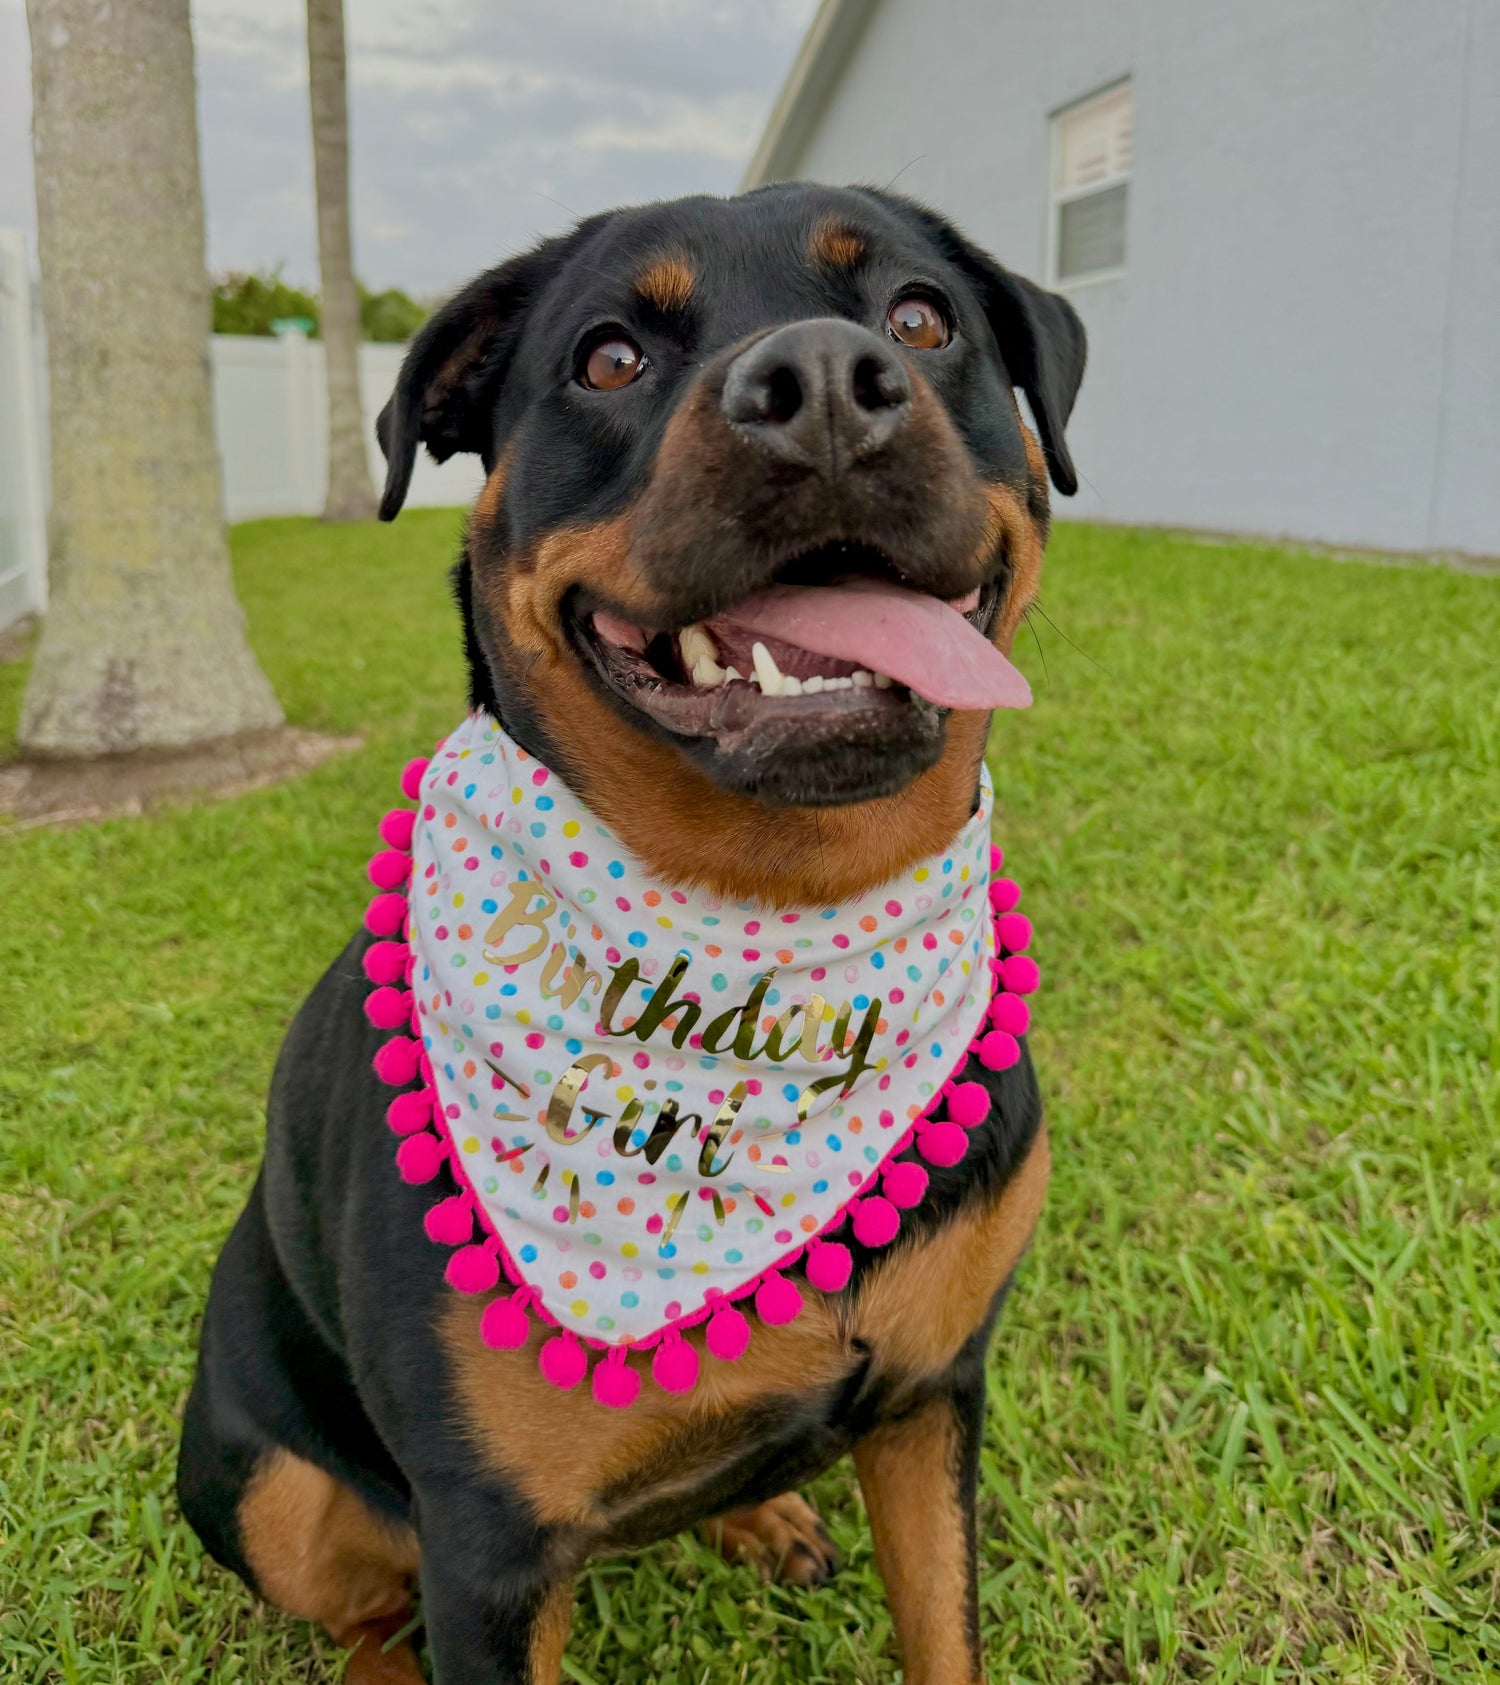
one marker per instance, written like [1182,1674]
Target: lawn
[1245,1407]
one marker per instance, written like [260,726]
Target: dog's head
[761,519]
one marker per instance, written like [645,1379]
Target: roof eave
[825,50]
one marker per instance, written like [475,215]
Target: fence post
[23,492]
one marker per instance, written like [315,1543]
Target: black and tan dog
[676,406]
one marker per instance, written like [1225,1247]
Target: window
[1090,182]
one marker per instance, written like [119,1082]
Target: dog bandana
[655,1101]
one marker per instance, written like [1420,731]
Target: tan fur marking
[836,244]
[564,1451]
[917,1309]
[319,1551]
[781,1539]
[666,282]
[1010,524]
[908,1473]
[549,1636]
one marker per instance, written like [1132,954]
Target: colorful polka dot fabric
[653,1100]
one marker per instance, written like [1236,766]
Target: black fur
[321,1331]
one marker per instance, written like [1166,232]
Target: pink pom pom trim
[675,1366]
[829,1265]
[419,1158]
[563,1361]
[616,1384]
[969,1104]
[396,828]
[505,1325]
[450,1222]
[386,914]
[475,1268]
[1011,1014]
[728,1333]
[777,1300]
[942,1144]
[409,1112]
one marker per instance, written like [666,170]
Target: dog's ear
[1040,338]
[445,394]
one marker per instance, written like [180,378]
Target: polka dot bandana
[655,1095]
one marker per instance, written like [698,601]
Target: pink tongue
[916,639]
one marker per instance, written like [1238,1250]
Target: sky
[476,126]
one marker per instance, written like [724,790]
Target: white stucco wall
[1306,340]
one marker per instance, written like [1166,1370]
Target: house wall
[1306,339]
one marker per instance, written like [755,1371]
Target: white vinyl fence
[270,419]
[23,463]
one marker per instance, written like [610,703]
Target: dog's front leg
[495,1604]
[919,1476]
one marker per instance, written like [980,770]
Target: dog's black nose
[821,394]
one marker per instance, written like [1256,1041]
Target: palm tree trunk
[144,643]
[351,496]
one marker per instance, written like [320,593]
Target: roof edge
[831,38]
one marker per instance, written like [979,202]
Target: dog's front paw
[783,1539]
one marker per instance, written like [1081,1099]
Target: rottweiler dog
[676,406]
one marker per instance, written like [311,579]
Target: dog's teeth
[838,684]
[862,680]
[812,686]
[696,646]
[766,670]
[883,681]
[707,673]
[790,685]
[732,673]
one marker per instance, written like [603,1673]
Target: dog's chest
[798,1399]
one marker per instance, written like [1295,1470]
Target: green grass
[1245,1417]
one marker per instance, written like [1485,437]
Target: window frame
[1058,197]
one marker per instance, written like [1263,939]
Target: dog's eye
[919,323]
[611,362]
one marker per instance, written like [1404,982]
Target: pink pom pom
[411,777]
[777,1300]
[1020,974]
[998,1051]
[876,1221]
[829,1263]
[969,1104]
[1014,931]
[473,1269]
[942,1143]
[616,1384]
[505,1324]
[728,1334]
[675,1366]
[419,1158]
[997,858]
[396,827]
[386,914]
[397,1061]
[450,1222]
[385,962]
[1005,893]
[905,1184]
[1011,1014]
[563,1362]
[389,869]
[388,1008]
[409,1112]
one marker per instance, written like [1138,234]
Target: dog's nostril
[879,384]
[783,395]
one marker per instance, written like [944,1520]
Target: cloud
[477,126]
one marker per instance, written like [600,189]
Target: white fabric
[545,959]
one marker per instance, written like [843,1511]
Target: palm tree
[351,497]
[144,643]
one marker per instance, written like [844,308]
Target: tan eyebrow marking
[666,282]
[835,243]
